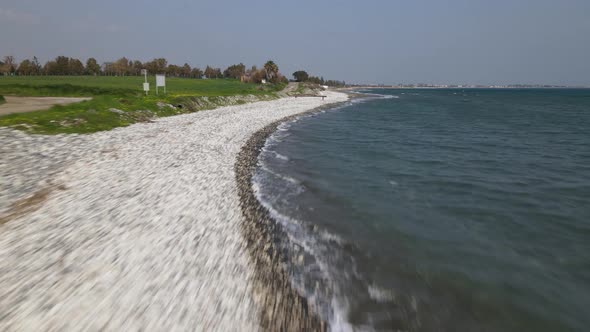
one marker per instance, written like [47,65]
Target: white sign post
[146,85]
[160,81]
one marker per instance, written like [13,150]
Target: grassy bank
[119,101]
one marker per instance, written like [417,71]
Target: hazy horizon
[505,42]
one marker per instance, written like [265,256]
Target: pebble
[143,229]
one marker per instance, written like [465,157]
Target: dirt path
[29,104]
[290,88]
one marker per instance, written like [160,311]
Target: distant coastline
[445,86]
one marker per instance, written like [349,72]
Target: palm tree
[271,69]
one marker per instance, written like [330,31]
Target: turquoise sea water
[438,210]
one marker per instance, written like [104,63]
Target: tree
[62,64]
[9,66]
[50,68]
[36,66]
[208,72]
[173,70]
[75,67]
[121,66]
[211,72]
[196,73]
[109,68]
[257,76]
[137,66]
[92,67]
[185,70]
[300,76]
[235,71]
[157,66]
[271,69]
[26,67]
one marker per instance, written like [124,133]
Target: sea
[437,209]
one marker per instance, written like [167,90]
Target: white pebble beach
[137,228]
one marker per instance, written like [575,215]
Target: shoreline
[289,311]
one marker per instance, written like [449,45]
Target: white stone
[146,234]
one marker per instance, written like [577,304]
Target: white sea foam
[287,178]
[327,236]
[378,95]
[379,294]
[337,314]
[339,321]
[280,156]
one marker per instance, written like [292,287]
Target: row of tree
[269,73]
[303,76]
[63,65]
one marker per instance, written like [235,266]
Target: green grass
[76,86]
[122,93]
[300,88]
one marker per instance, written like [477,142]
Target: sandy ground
[137,228]
[29,104]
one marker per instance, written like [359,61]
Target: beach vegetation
[117,86]
[8,66]
[211,72]
[119,101]
[157,66]
[75,67]
[301,76]
[235,71]
[272,70]
[196,73]
[29,67]
[92,67]
[66,66]
[253,75]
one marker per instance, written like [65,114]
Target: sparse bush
[235,71]
[258,76]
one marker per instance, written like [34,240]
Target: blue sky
[455,41]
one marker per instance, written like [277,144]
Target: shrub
[258,76]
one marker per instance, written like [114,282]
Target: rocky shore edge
[281,307]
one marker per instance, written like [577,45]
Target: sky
[371,41]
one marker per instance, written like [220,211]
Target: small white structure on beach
[146,85]
[160,82]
